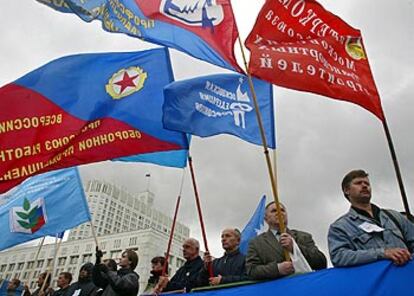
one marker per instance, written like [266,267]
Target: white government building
[121,220]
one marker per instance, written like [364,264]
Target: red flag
[298,44]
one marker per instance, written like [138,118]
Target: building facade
[121,220]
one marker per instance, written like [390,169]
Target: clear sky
[319,139]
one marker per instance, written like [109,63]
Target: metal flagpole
[200,215]
[167,254]
[272,176]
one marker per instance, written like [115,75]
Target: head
[64,279]
[271,215]
[191,249]
[230,239]
[111,264]
[129,259]
[157,265]
[356,187]
[42,278]
[13,284]
[85,272]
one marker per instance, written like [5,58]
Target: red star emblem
[126,81]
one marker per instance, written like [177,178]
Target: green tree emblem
[30,216]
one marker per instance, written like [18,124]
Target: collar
[231,254]
[356,213]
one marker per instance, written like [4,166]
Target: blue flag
[216,104]
[204,29]
[3,289]
[254,227]
[82,109]
[376,279]
[43,205]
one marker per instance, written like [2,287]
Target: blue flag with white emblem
[217,104]
[254,227]
[45,204]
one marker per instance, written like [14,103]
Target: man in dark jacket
[63,283]
[84,286]
[265,256]
[124,282]
[229,268]
[186,277]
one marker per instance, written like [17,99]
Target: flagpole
[49,273]
[94,234]
[397,170]
[167,254]
[37,255]
[272,176]
[200,216]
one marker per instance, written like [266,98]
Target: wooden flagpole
[50,267]
[37,256]
[397,170]
[167,254]
[272,176]
[200,216]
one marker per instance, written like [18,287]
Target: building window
[20,266]
[74,259]
[3,268]
[30,264]
[62,261]
[116,254]
[86,258]
[117,243]
[39,263]
[133,241]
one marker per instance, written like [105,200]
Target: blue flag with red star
[84,108]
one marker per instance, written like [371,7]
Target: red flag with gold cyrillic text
[298,44]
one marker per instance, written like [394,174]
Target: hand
[286,241]
[98,255]
[285,268]
[214,281]
[162,283]
[397,255]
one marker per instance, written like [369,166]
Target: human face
[359,191]
[190,250]
[229,240]
[83,274]
[271,217]
[62,282]
[124,261]
[156,267]
[12,285]
[40,281]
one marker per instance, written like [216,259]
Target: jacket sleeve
[343,254]
[255,268]
[203,277]
[175,283]
[313,255]
[98,277]
[126,284]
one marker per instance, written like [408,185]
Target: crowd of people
[366,233]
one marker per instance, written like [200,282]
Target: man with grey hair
[368,233]
[227,269]
[186,277]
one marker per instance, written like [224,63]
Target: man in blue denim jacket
[367,233]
